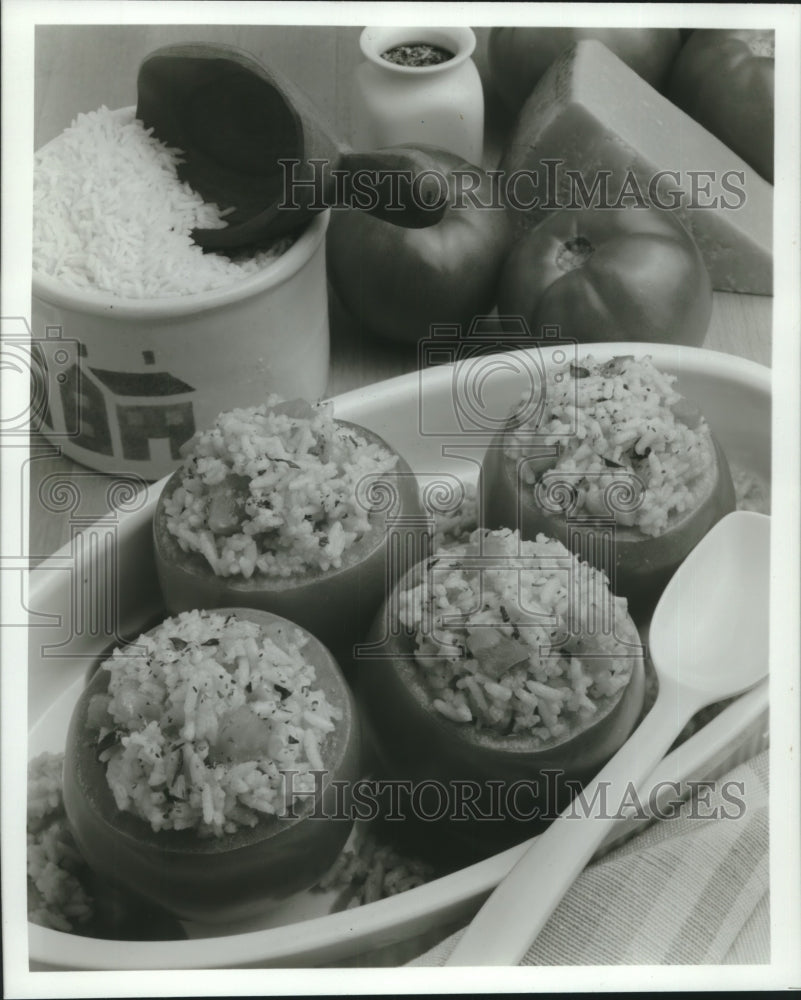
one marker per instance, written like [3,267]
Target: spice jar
[420,86]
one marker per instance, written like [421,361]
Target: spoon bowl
[708,642]
[683,645]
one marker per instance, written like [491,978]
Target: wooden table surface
[80,68]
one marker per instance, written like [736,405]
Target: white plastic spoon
[708,641]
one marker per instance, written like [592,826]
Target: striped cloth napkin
[686,891]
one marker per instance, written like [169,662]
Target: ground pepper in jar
[417,54]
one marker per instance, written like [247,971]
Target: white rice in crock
[200,728]
[276,489]
[529,618]
[619,423]
[111,215]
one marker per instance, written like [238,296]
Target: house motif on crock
[133,415]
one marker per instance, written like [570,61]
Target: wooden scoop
[235,121]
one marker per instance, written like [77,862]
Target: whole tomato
[398,282]
[519,56]
[609,274]
[724,80]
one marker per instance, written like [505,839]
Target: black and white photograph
[401,459]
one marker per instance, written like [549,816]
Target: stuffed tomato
[283,508]
[501,686]
[618,465]
[200,764]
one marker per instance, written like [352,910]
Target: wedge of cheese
[594,132]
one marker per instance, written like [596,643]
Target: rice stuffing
[629,445]
[371,870]
[750,488]
[458,524]
[204,719]
[275,490]
[57,897]
[110,214]
[509,636]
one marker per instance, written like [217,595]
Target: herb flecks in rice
[207,720]
[110,214]
[535,660]
[275,490]
[620,422]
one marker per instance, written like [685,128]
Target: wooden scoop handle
[403,185]
[254,144]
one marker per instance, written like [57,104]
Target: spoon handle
[517,910]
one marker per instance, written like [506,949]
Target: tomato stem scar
[574,253]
